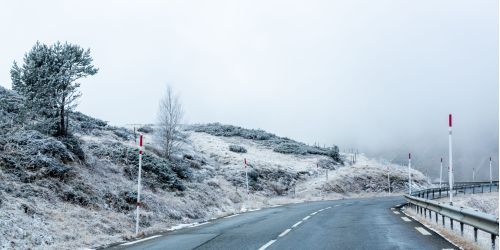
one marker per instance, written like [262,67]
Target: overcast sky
[378,75]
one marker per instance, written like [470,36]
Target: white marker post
[409,173]
[317,170]
[138,187]
[441,174]
[246,175]
[491,179]
[473,175]
[388,179]
[450,168]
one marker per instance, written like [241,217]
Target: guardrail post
[443,221]
[437,217]
[462,228]
[475,234]
[482,189]
[430,214]
[493,237]
[451,223]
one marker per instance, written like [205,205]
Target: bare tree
[170,114]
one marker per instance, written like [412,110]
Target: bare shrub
[170,114]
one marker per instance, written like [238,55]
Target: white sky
[380,75]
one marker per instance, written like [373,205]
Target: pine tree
[48,78]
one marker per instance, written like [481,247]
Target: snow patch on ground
[485,202]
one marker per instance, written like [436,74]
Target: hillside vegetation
[80,190]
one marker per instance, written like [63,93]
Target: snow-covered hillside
[80,191]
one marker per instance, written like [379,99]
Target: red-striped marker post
[409,173]
[441,174]
[138,186]
[450,168]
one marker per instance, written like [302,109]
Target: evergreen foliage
[47,80]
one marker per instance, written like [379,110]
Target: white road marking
[422,231]
[392,208]
[405,219]
[307,217]
[267,245]
[200,224]
[284,232]
[137,241]
[396,212]
[314,213]
[296,224]
[232,215]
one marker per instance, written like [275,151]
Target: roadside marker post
[388,179]
[246,175]
[491,180]
[441,174]
[473,174]
[409,173]
[138,187]
[450,169]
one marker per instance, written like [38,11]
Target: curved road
[343,224]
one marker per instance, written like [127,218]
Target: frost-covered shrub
[290,148]
[278,144]
[237,149]
[146,129]
[73,145]
[49,167]
[122,133]
[181,168]
[218,129]
[85,124]
[31,142]
[327,164]
[11,105]
[31,156]
[10,101]
[158,172]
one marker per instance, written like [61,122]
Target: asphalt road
[343,224]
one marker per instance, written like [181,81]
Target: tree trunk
[61,124]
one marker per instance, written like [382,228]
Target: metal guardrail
[477,220]
[458,188]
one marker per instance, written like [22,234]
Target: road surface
[342,224]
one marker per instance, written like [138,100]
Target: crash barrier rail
[478,220]
[458,188]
